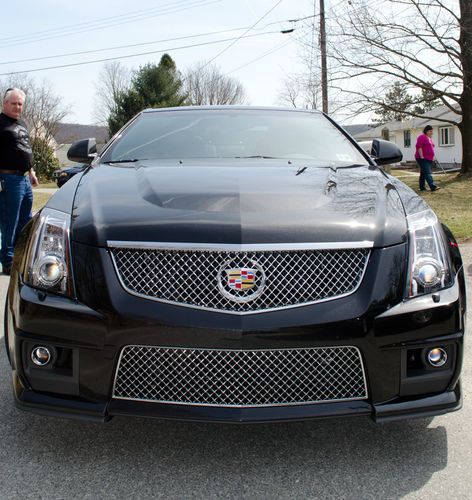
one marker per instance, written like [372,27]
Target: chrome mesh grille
[283,278]
[240,378]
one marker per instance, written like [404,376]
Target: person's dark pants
[426,169]
[16,201]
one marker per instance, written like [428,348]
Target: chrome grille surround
[194,276]
[240,378]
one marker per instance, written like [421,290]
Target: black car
[236,264]
[62,175]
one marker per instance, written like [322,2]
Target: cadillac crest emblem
[241,284]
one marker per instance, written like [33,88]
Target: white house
[446,137]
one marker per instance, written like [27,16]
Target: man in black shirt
[16,175]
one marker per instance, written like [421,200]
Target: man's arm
[33,178]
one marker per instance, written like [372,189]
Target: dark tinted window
[189,134]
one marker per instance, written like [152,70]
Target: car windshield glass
[235,133]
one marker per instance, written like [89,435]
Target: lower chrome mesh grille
[277,279]
[240,378]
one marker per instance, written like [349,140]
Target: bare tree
[42,112]
[43,108]
[300,91]
[424,44]
[205,84]
[114,80]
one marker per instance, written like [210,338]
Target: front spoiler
[50,405]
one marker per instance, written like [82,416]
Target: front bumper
[50,405]
[91,339]
[82,386]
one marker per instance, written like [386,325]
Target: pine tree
[395,104]
[152,86]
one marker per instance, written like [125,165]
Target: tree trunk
[465,42]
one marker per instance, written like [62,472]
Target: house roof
[441,112]
[357,128]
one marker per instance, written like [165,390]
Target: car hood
[239,202]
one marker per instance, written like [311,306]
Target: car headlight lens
[429,268]
[48,263]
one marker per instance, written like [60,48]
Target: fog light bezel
[441,362]
[35,359]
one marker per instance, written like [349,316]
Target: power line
[169,49]
[166,9]
[265,54]
[243,35]
[56,56]
[82,52]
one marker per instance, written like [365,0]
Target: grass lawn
[452,203]
[39,200]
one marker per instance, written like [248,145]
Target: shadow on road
[141,458]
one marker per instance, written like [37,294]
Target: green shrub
[44,160]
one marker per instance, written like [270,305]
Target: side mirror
[385,152]
[83,151]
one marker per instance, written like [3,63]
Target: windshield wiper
[257,156]
[132,160]
[352,165]
[301,170]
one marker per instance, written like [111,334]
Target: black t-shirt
[15,147]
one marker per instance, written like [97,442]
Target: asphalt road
[46,458]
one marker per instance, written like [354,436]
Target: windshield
[235,133]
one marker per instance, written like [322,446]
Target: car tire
[5,329]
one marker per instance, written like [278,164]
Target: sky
[251,49]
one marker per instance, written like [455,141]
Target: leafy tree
[399,104]
[426,102]
[152,86]
[395,104]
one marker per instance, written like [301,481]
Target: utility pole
[324,70]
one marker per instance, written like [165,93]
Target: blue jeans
[16,201]
[426,168]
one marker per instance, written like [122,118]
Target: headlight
[48,263]
[429,266]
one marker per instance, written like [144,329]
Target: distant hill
[67,133]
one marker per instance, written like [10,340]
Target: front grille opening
[281,279]
[240,378]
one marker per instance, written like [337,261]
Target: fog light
[437,357]
[41,356]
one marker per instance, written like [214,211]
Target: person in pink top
[424,157]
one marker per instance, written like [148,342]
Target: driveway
[42,457]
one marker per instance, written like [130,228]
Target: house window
[446,136]
[407,138]
[385,134]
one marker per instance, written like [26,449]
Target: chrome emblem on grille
[241,284]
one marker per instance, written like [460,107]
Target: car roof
[231,108]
